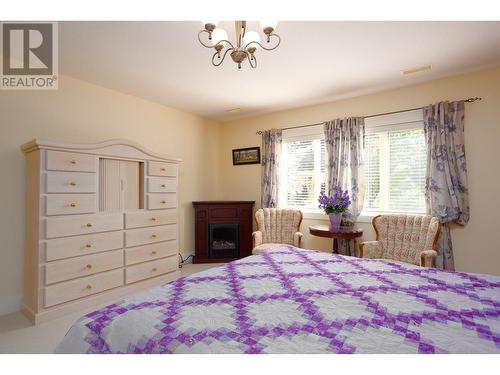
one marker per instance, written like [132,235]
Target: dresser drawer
[82,224]
[162,184]
[159,201]
[150,269]
[136,237]
[83,287]
[63,270]
[66,204]
[157,168]
[67,161]
[146,218]
[61,248]
[70,182]
[151,252]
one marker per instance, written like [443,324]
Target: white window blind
[303,172]
[395,163]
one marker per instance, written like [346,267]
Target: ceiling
[316,61]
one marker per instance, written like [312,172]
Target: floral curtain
[344,148]
[271,150]
[446,192]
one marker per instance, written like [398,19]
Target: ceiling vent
[419,69]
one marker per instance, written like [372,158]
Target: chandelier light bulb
[218,35]
[251,36]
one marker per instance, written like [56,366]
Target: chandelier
[247,42]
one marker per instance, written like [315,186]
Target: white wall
[82,112]
[475,245]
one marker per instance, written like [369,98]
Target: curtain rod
[468,100]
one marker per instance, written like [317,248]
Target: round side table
[344,233]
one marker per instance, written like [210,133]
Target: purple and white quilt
[291,300]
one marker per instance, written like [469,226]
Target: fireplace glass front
[224,241]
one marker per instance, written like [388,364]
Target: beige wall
[82,112]
[475,249]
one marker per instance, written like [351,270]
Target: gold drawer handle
[163,169]
[88,225]
[72,183]
[163,202]
[88,286]
[88,266]
[153,252]
[154,269]
[153,236]
[153,219]
[72,161]
[163,185]
[72,205]
[88,246]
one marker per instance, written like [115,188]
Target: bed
[291,300]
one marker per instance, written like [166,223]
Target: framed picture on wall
[249,155]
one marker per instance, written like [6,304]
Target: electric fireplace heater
[224,241]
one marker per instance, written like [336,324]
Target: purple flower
[338,202]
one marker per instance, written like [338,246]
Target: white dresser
[101,223]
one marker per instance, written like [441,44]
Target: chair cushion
[267,246]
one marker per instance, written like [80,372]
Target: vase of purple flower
[335,220]
[335,205]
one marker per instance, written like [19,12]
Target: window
[303,168]
[395,163]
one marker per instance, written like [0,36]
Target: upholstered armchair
[275,228]
[403,238]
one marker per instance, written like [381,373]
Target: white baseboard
[9,305]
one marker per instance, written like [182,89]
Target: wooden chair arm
[297,239]
[257,238]
[428,258]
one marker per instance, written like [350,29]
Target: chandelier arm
[199,39]
[264,48]
[212,46]
[224,40]
[223,56]
[254,59]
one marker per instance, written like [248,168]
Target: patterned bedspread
[301,301]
